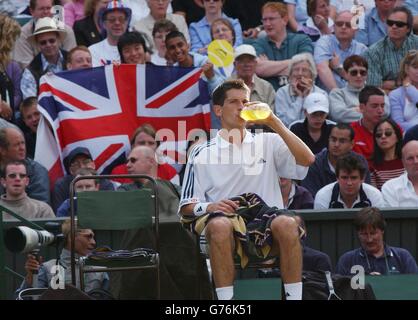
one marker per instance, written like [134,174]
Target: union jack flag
[100,108]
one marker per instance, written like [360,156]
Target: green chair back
[113,210]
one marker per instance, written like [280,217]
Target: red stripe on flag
[54,173]
[107,153]
[171,94]
[45,87]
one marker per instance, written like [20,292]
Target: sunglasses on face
[50,41]
[356,72]
[340,24]
[15,175]
[386,133]
[399,24]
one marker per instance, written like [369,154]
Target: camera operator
[84,244]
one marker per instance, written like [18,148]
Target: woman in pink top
[73,11]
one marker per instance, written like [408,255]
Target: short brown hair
[163,25]
[369,216]
[355,60]
[77,48]
[350,163]
[311,6]
[27,103]
[281,8]
[219,94]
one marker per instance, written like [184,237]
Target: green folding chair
[116,210]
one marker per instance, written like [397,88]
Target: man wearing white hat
[25,50]
[315,129]
[245,64]
[51,58]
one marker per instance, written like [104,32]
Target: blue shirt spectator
[403,105]
[376,257]
[412,5]
[384,57]
[200,36]
[394,261]
[374,29]
[328,46]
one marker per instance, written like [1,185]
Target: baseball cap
[244,49]
[74,153]
[316,101]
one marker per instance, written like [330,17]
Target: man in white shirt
[349,191]
[403,190]
[237,162]
[115,20]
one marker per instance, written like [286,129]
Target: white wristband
[200,208]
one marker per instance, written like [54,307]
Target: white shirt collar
[248,138]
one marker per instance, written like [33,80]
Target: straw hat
[44,25]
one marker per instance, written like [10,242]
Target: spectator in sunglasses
[48,37]
[331,51]
[375,27]
[15,180]
[386,162]
[344,102]
[404,100]
[384,57]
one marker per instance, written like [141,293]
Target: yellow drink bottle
[255,112]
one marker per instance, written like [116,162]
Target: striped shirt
[385,171]
[384,59]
